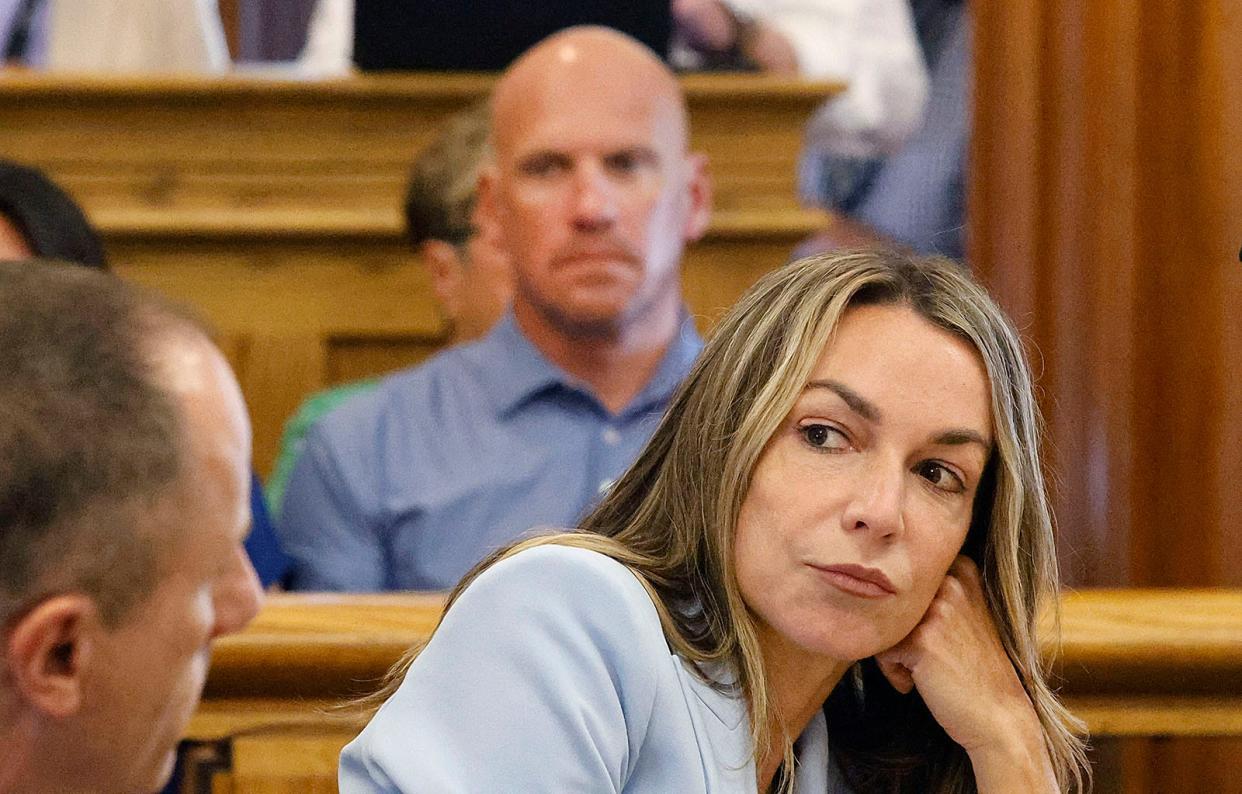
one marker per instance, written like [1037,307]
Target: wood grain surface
[272,207]
[1145,661]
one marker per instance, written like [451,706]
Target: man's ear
[486,212]
[700,190]
[444,266]
[48,651]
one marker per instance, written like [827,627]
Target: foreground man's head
[124,501]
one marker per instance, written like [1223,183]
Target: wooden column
[1106,213]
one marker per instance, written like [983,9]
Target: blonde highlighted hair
[671,516]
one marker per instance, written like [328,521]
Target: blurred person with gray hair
[124,504]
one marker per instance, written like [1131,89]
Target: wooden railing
[1130,663]
[1157,662]
[149,154]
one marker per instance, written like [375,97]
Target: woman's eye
[941,476]
[823,436]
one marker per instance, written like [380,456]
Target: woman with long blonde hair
[822,574]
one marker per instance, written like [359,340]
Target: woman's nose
[878,498]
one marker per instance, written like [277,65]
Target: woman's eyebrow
[856,402]
[868,410]
[959,437]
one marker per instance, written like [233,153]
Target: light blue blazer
[551,673]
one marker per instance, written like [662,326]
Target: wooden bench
[1131,663]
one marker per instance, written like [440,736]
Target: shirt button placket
[611,437]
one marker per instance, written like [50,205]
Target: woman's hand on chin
[955,658]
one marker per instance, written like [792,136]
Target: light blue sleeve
[325,524]
[542,677]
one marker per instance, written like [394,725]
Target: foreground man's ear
[47,651]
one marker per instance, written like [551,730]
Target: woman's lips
[857,580]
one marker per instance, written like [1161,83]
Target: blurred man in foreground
[39,219]
[124,502]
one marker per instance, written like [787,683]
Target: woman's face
[862,498]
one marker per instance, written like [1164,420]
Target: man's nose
[878,499]
[594,198]
[238,597]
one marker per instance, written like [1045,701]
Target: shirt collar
[674,367]
[516,371]
[513,368]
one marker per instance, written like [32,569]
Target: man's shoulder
[407,396]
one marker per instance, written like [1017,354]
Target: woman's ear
[48,651]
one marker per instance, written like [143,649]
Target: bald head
[593,192]
[559,72]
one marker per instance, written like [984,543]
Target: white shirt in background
[136,36]
[870,45]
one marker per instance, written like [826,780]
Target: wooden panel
[1219,101]
[298,762]
[1116,716]
[1100,215]
[273,207]
[1104,213]
[355,358]
[281,304]
[278,286]
[283,369]
[319,645]
[140,154]
[308,306]
[1173,650]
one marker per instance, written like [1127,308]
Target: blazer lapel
[721,730]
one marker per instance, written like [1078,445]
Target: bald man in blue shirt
[594,193]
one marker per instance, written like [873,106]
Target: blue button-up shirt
[408,486]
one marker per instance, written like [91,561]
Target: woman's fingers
[956,660]
[897,674]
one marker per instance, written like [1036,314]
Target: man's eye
[625,163]
[543,166]
[941,476]
[823,436]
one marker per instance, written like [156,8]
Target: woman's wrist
[1016,760]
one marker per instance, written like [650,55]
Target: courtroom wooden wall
[272,206]
[1107,215]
